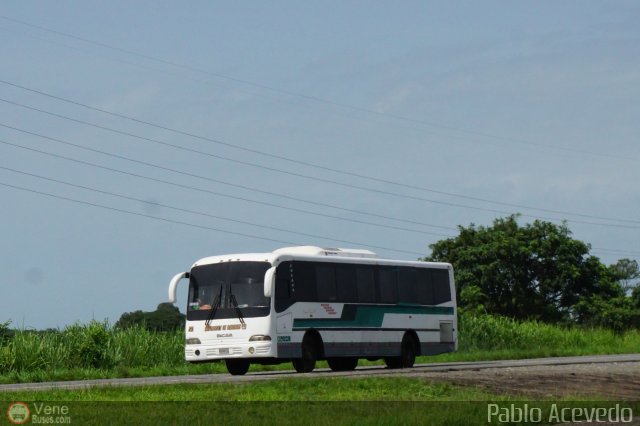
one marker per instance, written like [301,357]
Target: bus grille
[216,351]
[262,349]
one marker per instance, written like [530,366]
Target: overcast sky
[366,124]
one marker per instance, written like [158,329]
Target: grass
[305,389]
[350,401]
[287,401]
[97,350]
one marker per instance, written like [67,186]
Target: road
[362,371]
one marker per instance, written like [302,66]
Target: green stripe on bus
[371,316]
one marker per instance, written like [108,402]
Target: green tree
[5,332]
[635,297]
[627,273]
[536,271]
[166,317]
[617,313]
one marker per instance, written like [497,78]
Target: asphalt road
[362,371]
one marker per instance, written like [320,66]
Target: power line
[300,175]
[199,213]
[306,163]
[242,162]
[616,251]
[316,98]
[145,163]
[196,188]
[217,193]
[205,214]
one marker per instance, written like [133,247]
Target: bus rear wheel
[408,353]
[307,362]
[342,364]
[237,367]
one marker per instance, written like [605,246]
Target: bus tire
[393,362]
[409,351]
[342,364]
[237,367]
[307,362]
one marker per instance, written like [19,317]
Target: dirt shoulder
[615,381]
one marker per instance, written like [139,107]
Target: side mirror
[269,277]
[174,283]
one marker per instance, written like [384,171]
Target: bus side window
[425,287]
[283,286]
[407,285]
[442,290]
[388,282]
[365,284]
[325,282]
[304,282]
[346,283]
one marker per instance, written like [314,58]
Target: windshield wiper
[214,308]
[232,297]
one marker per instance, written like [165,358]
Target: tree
[627,273]
[166,317]
[617,313]
[536,271]
[5,332]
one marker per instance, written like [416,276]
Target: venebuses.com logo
[18,413]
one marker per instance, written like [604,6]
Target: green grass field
[351,401]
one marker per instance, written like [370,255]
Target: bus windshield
[244,280]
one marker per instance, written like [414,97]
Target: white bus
[306,303]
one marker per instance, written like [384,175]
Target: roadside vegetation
[538,271]
[98,350]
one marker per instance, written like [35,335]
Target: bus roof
[312,253]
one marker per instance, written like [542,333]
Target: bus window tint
[407,285]
[388,281]
[325,282]
[246,283]
[425,286]
[205,284]
[365,285]
[442,290]
[346,283]
[283,281]
[303,287]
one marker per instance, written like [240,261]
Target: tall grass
[502,336]
[100,350]
[96,345]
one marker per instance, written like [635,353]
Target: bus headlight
[260,338]
[193,341]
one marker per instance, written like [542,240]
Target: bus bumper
[199,353]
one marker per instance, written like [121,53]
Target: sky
[138,137]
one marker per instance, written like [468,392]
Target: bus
[304,304]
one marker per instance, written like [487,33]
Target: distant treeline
[166,317]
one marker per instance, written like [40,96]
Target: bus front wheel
[237,367]
[307,362]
